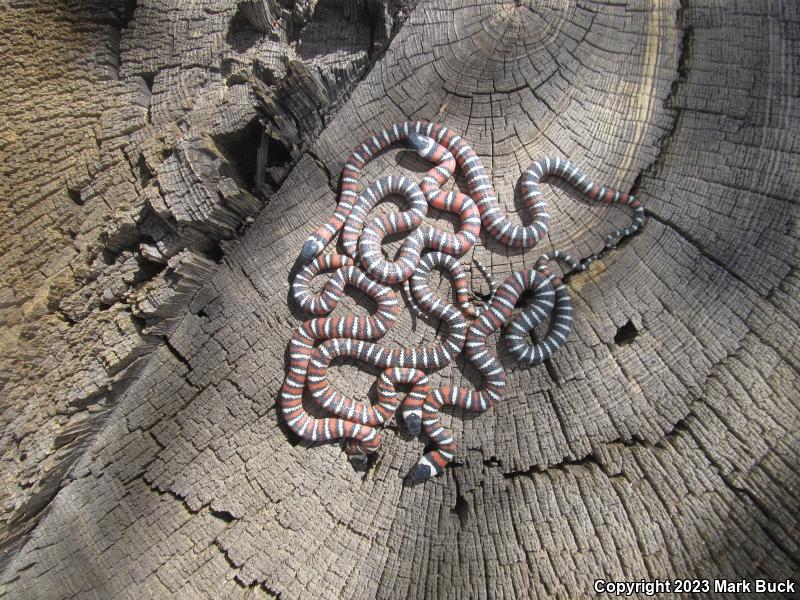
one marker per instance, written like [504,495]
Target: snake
[363,242]
[497,314]
[405,365]
[426,138]
[301,345]
[433,462]
[365,267]
[422,358]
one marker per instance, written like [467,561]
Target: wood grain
[660,443]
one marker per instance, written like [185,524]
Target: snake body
[424,137]
[497,314]
[301,345]
[431,357]
[365,267]
[363,243]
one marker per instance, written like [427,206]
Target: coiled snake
[364,267]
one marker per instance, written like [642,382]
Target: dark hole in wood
[278,153]
[75,196]
[147,268]
[215,253]
[241,150]
[626,334]
[138,322]
[273,156]
[108,257]
[461,509]
[144,171]
[223,515]
[149,78]
[126,13]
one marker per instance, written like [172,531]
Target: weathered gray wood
[661,442]
[131,138]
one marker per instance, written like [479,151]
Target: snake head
[413,423]
[422,144]
[359,462]
[309,251]
[422,471]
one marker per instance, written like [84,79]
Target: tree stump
[161,193]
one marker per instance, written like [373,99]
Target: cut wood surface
[135,139]
[661,442]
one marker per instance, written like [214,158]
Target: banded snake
[363,266]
